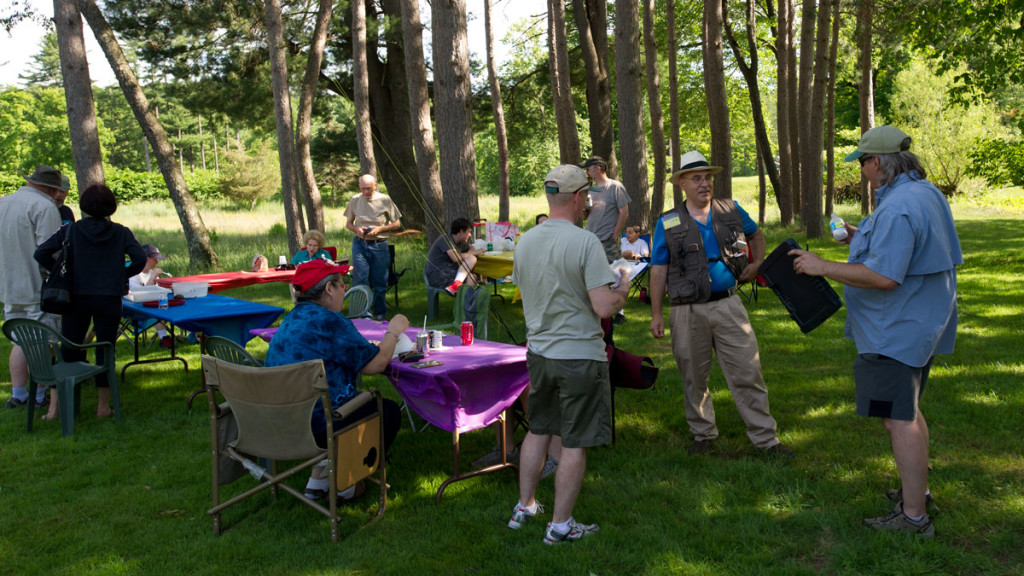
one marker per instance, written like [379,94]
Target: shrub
[999,162]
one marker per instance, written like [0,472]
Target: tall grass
[130,498]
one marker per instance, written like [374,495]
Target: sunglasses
[864,159]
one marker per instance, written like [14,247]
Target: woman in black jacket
[99,278]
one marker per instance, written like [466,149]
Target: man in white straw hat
[900,291]
[699,253]
[27,218]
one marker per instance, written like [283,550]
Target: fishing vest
[688,278]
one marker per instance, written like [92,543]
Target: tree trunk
[499,117]
[201,254]
[202,144]
[762,190]
[673,90]
[283,118]
[361,89]
[453,109]
[714,91]
[392,125]
[865,11]
[592,26]
[561,86]
[85,140]
[787,167]
[311,192]
[419,111]
[749,71]
[629,87]
[805,93]
[657,121]
[830,113]
[810,163]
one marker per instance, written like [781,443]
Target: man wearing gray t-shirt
[607,209]
[567,287]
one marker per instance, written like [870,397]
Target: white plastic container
[146,293]
[190,289]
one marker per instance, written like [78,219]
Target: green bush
[999,162]
[9,182]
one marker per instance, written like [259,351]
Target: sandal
[48,417]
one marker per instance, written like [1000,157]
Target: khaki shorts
[571,399]
[31,312]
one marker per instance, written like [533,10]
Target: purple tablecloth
[469,391]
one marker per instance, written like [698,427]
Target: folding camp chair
[393,275]
[271,410]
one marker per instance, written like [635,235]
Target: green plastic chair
[34,338]
[432,295]
[359,299]
[229,351]
[483,307]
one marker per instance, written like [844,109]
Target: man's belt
[721,295]
[379,241]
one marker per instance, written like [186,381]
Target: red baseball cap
[308,274]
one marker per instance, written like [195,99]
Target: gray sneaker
[897,521]
[521,516]
[550,467]
[896,497]
[575,532]
[494,457]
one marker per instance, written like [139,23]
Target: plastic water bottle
[838,227]
[162,304]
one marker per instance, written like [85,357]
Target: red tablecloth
[226,280]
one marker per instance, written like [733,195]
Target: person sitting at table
[634,247]
[259,263]
[148,277]
[314,242]
[451,259]
[540,219]
[316,329]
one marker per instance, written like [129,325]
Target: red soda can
[467,333]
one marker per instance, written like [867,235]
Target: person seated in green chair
[451,259]
[314,242]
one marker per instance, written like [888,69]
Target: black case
[810,300]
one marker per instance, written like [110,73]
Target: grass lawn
[131,498]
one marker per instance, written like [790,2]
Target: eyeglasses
[370,188]
[864,159]
[698,179]
[586,187]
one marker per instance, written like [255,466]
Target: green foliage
[999,161]
[45,64]
[945,133]
[277,231]
[248,178]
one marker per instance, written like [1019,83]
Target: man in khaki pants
[699,253]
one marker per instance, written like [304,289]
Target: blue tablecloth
[212,315]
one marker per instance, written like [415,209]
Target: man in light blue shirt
[900,289]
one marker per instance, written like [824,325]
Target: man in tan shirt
[372,216]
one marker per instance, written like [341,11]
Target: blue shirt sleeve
[749,226]
[659,248]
